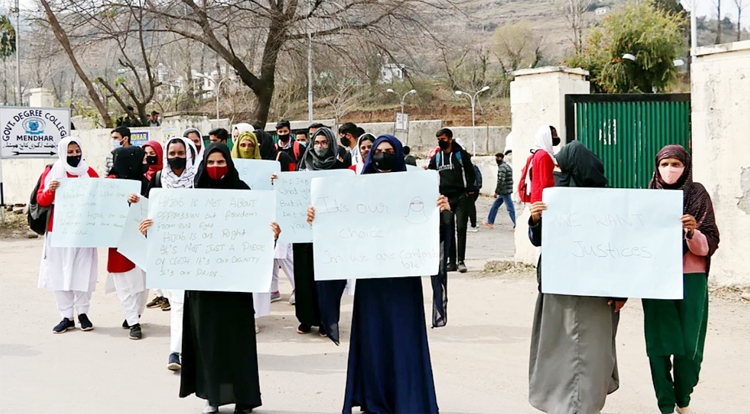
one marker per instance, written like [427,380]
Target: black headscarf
[311,161]
[580,167]
[268,149]
[231,181]
[400,165]
[696,200]
[127,164]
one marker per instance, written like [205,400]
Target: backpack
[296,148]
[458,158]
[478,179]
[524,192]
[38,216]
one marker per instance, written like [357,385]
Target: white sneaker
[473,229]
[292,299]
[275,296]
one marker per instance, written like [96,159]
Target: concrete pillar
[719,93]
[537,97]
[41,98]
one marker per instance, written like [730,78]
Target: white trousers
[69,299]
[133,305]
[177,303]
[288,266]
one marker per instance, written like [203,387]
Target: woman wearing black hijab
[318,303]
[219,352]
[389,368]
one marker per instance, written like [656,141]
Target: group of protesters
[573,364]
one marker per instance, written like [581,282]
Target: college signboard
[32,132]
[139,138]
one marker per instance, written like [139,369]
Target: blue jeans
[502,198]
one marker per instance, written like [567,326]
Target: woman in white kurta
[70,272]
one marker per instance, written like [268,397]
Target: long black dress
[389,368]
[219,353]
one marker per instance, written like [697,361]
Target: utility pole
[19,97]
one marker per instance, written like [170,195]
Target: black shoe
[303,329]
[125,324]
[451,267]
[64,326]
[135,332]
[462,267]
[322,331]
[86,324]
[242,409]
[174,362]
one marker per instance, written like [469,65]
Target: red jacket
[46,198]
[542,175]
[117,263]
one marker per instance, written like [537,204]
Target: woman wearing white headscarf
[179,172]
[70,272]
[542,162]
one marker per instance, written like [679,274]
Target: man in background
[120,138]
[154,120]
[503,191]
[218,135]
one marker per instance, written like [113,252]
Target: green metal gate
[627,131]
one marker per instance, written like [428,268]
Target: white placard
[91,212]
[612,243]
[293,199]
[32,132]
[257,173]
[132,243]
[376,226]
[211,240]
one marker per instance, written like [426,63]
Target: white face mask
[670,175]
[116,143]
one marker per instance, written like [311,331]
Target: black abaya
[306,309]
[219,352]
[389,358]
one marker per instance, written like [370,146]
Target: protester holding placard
[676,329]
[124,277]
[179,172]
[317,303]
[573,363]
[220,359]
[70,272]
[389,369]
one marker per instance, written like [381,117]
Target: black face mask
[73,161]
[499,162]
[284,138]
[152,160]
[444,145]
[384,161]
[177,163]
[555,141]
[345,141]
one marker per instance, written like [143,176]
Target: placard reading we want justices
[376,226]
[211,240]
[91,212]
[612,243]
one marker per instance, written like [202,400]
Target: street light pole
[19,100]
[309,79]
[693,30]
[473,99]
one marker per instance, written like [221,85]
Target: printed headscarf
[400,164]
[254,153]
[696,200]
[311,161]
[60,169]
[168,178]
[152,169]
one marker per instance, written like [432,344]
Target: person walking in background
[676,329]
[408,158]
[503,191]
[473,197]
[453,163]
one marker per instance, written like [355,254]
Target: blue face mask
[116,143]
[304,144]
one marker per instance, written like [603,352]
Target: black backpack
[38,216]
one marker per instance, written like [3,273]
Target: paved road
[480,359]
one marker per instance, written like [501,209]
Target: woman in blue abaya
[389,358]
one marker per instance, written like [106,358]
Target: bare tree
[229,28]
[741,5]
[518,46]
[717,3]
[64,40]
[574,11]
